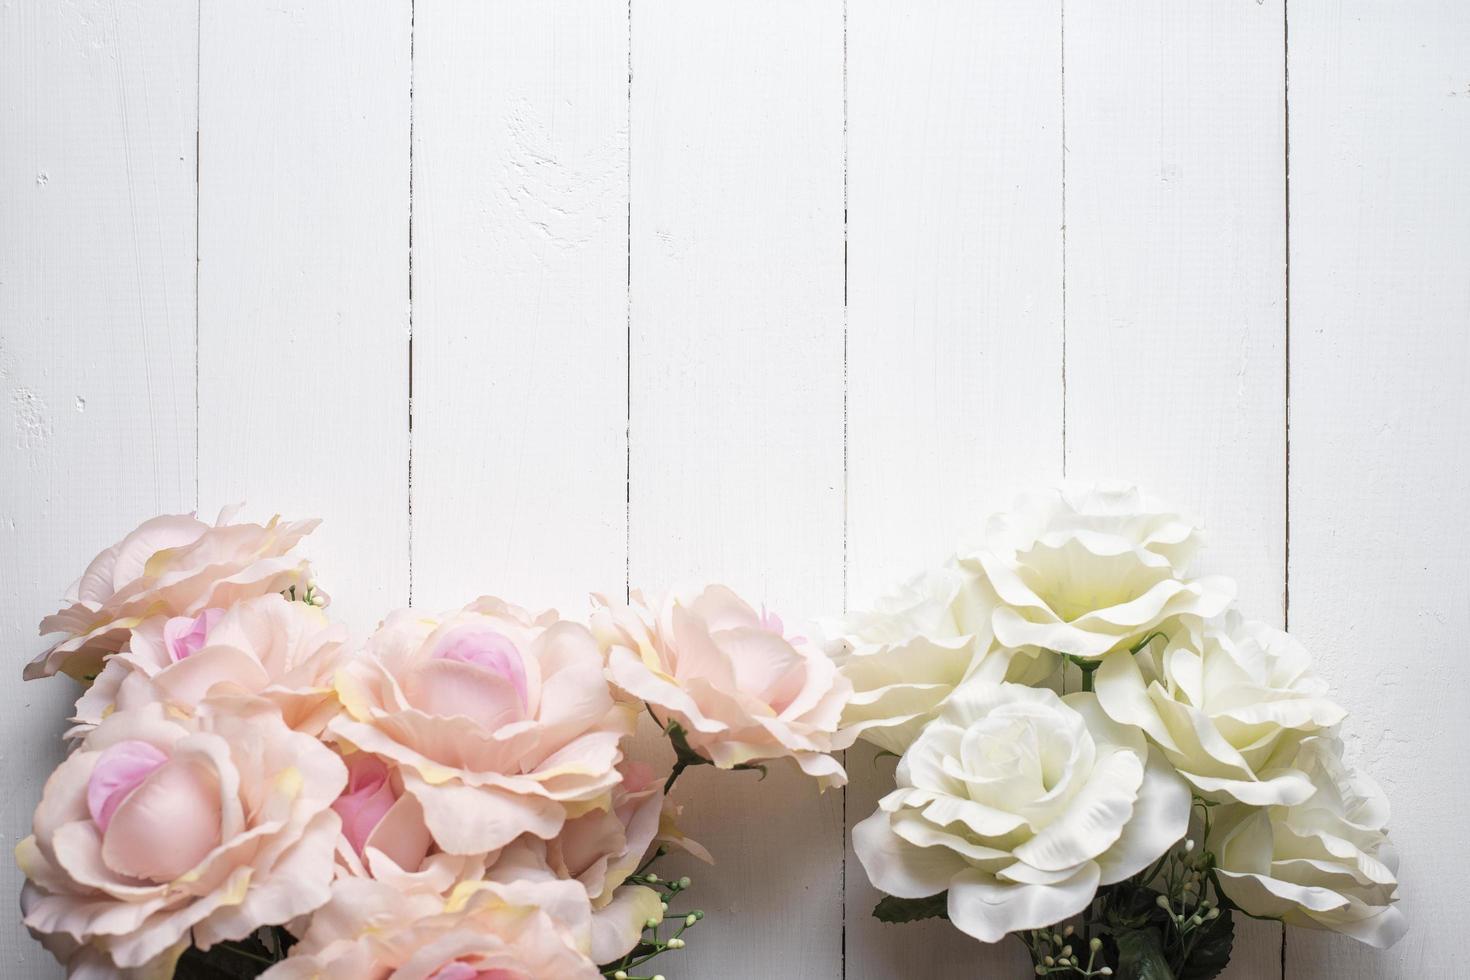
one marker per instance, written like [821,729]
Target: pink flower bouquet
[251,792]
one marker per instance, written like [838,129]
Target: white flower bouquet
[1098,755]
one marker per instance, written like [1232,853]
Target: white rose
[1020,803]
[1325,862]
[908,652]
[1085,571]
[1229,701]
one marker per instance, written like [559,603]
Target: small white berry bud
[684,882]
[676,943]
[690,919]
[1162,901]
[1095,944]
[1106,971]
[652,922]
[1069,930]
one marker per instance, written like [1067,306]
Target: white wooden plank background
[954,308]
[735,426]
[1176,283]
[1380,431]
[303,280]
[779,293]
[96,335]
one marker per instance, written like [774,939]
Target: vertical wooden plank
[97,111]
[736,408]
[1380,471]
[1175,282]
[520,301]
[954,338]
[303,280]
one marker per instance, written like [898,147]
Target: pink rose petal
[488,649]
[184,636]
[119,770]
[368,796]
[166,825]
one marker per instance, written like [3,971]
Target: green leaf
[1129,906]
[1210,953]
[1141,955]
[912,909]
[680,741]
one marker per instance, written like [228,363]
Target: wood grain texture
[303,281]
[1176,323]
[1380,472]
[954,335]
[520,301]
[96,338]
[736,409]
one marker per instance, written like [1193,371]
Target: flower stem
[1085,666]
[679,767]
[1088,668]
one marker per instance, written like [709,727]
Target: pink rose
[499,723]
[384,835]
[599,850]
[157,830]
[741,688]
[286,652]
[171,566]
[484,931]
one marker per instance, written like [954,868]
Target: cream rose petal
[988,908]
[898,867]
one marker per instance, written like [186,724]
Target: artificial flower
[1084,571]
[1228,701]
[499,723]
[1019,803]
[905,654]
[384,835]
[484,931]
[158,830]
[285,651]
[599,850]
[171,566]
[1324,862]
[740,687]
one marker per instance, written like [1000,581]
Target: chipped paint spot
[32,418]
